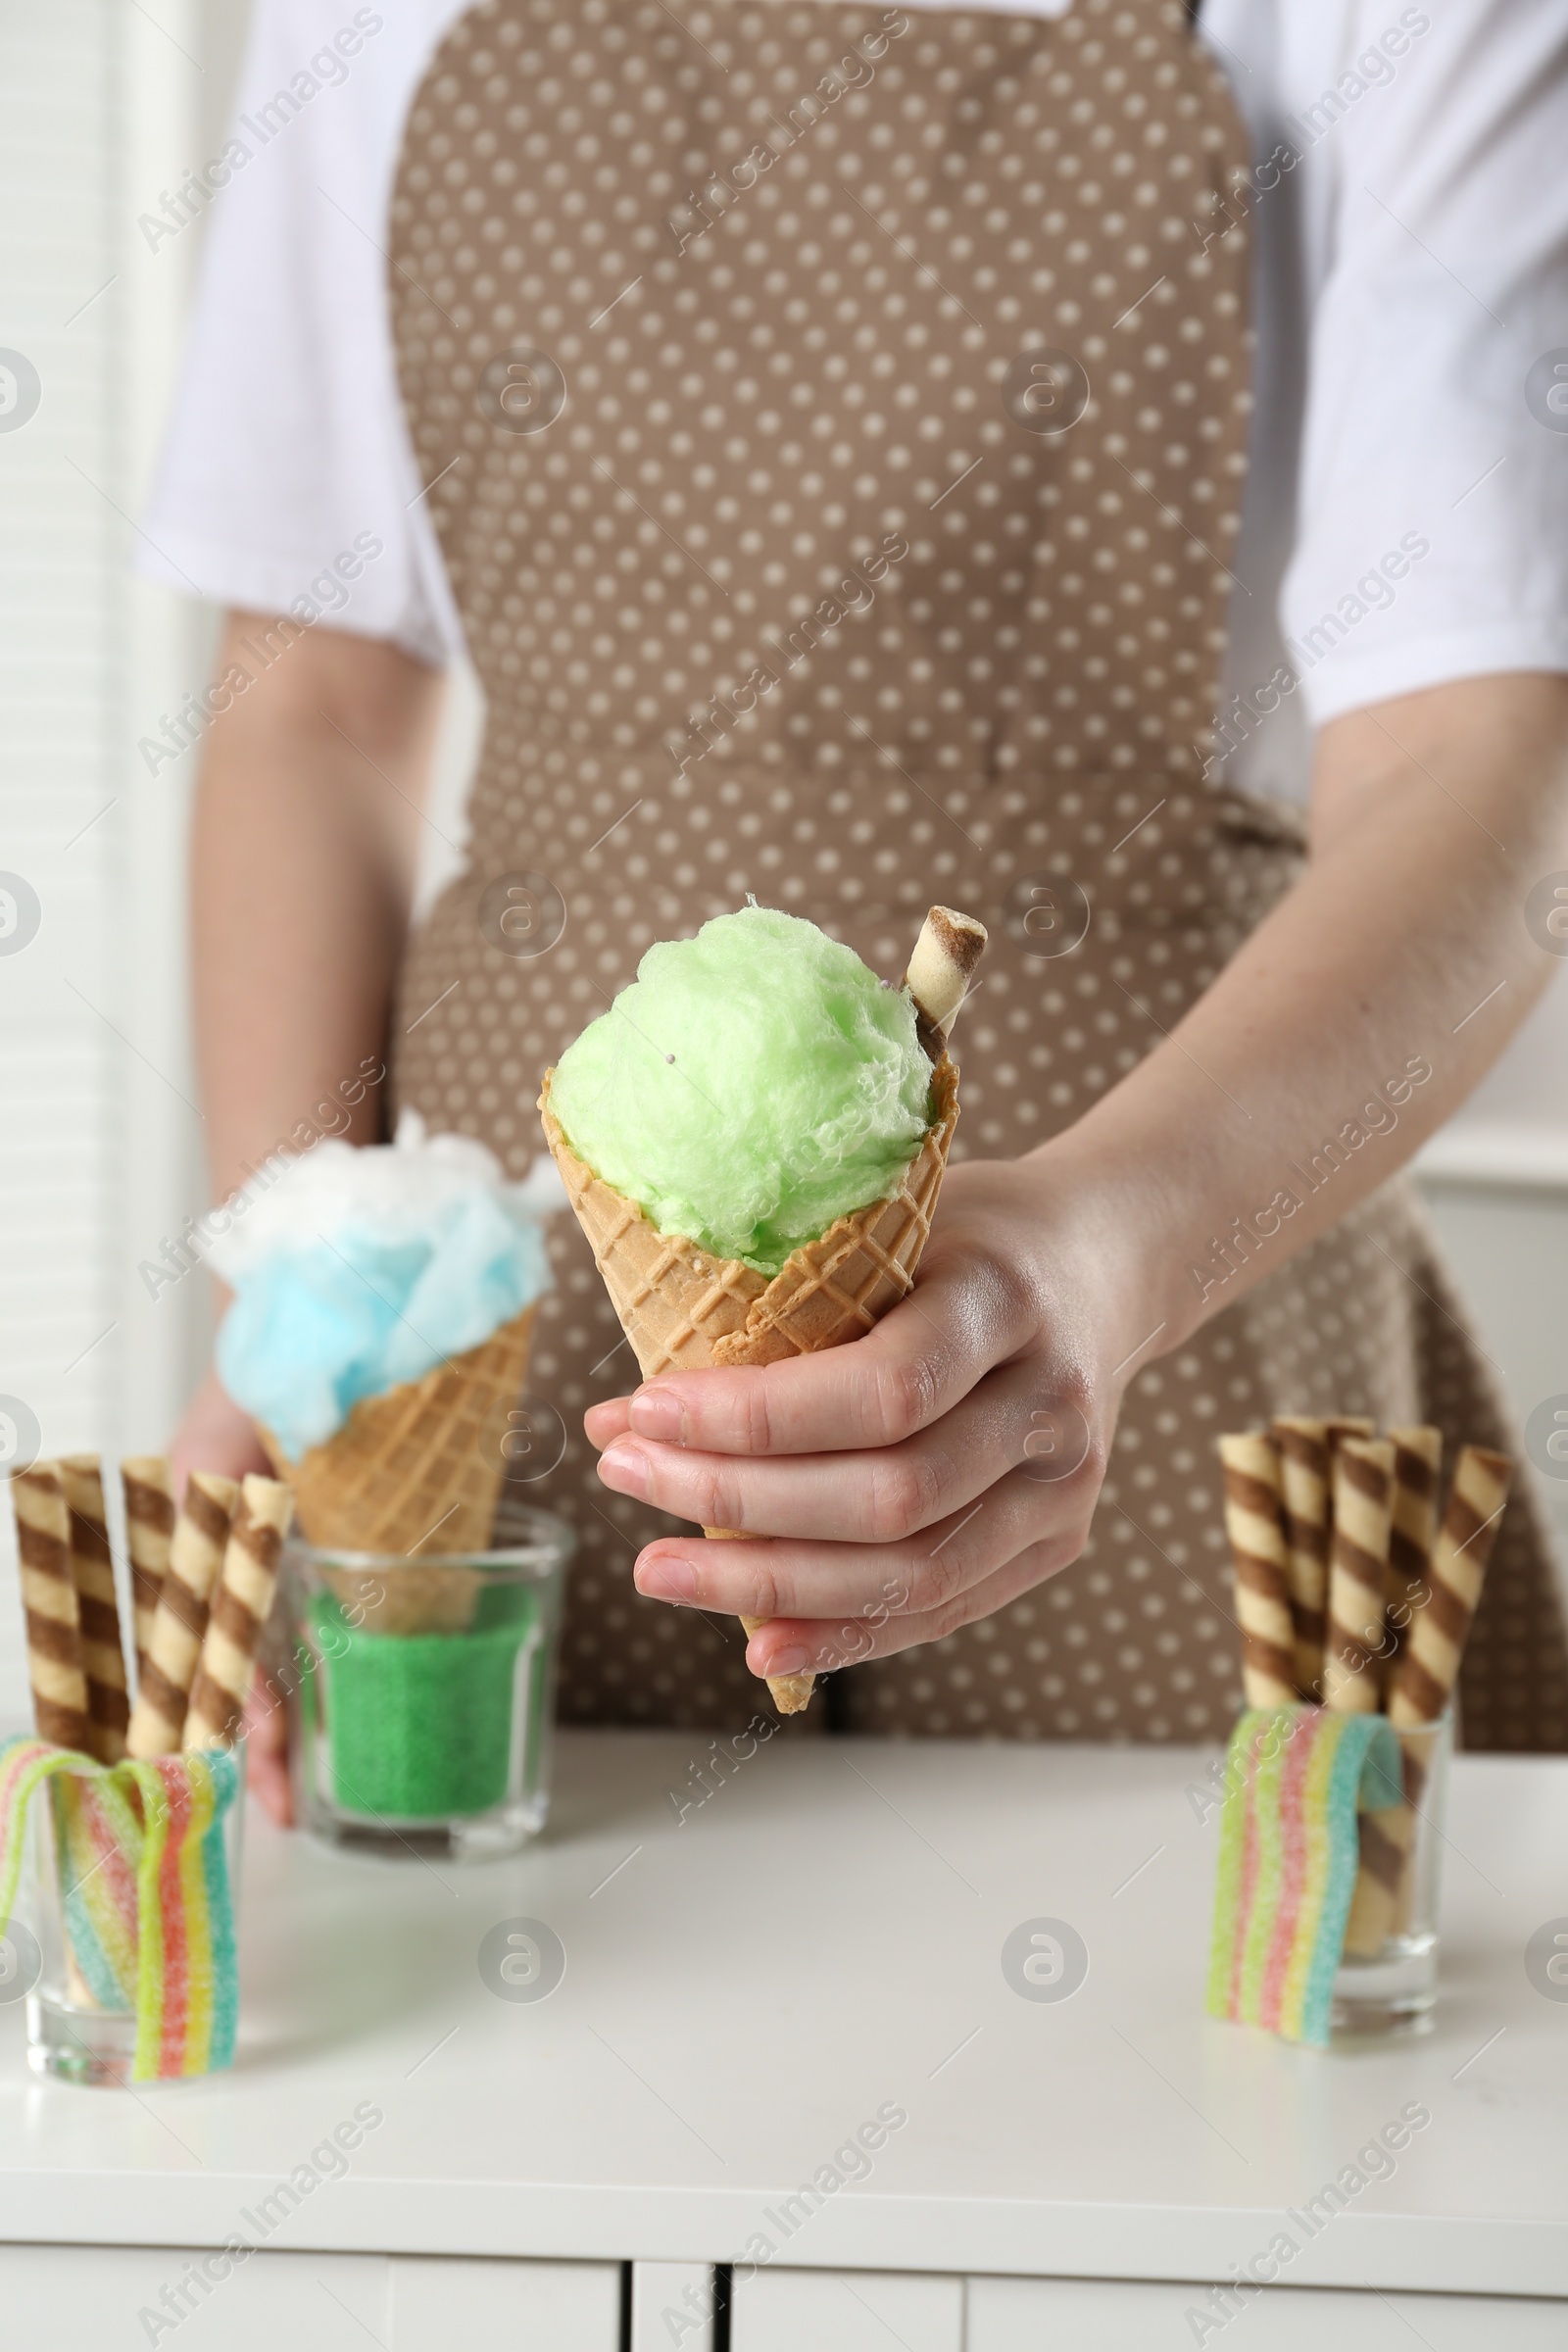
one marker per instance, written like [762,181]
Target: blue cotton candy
[375,1268]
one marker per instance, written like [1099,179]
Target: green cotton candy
[752,1085]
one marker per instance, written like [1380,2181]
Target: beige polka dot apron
[835,430]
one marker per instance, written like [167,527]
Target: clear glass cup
[1388,1980]
[422,1691]
[82,1986]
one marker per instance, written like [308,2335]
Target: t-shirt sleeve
[287,462]
[1432,495]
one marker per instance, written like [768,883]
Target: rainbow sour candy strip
[146,1891]
[1288,1858]
[97,1838]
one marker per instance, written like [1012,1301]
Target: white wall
[1496,1180]
[1509,1248]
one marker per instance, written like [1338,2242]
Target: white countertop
[820,1940]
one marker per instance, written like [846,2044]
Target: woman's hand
[216,1435]
[921,1477]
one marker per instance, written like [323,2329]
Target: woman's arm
[307,819]
[303,862]
[1049,1279]
[302,868]
[1405,942]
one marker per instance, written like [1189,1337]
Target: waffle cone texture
[418,1470]
[684,1309]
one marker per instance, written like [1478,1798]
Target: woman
[827,430]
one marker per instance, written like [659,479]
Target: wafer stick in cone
[1417,1464]
[1305,1450]
[1428,1665]
[945,953]
[241,1606]
[148,1486]
[1254,1522]
[684,1309]
[92,1572]
[195,1558]
[1363,1512]
[49,1600]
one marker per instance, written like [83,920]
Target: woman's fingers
[604,1423]
[215,1434]
[907,1371]
[905,1484]
[266,1752]
[796,1645]
[877,1496]
[792,1578]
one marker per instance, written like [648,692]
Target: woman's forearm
[305,842]
[1357,1016]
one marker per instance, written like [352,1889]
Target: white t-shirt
[1406,518]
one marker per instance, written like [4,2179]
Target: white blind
[98,1143]
[59,700]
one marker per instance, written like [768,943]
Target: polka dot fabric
[835,431]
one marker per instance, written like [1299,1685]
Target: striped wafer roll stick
[1304,1450]
[1381,1880]
[1417,1463]
[148,1483]
[1348,1425]
[949,948]
[1364,1514]
[92,1572]
[1428,1665]
[240,1610]
[1388,1857]
[49,1601]
[195,1558]
[1418,1750]
[1255,1523]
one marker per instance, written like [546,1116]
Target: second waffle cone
[414,1472]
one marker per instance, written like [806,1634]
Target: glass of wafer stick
[1357,1585]
[200,1580]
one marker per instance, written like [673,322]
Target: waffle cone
[416,1471]
[684,1309]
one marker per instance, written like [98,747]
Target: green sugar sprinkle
[421,1725]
